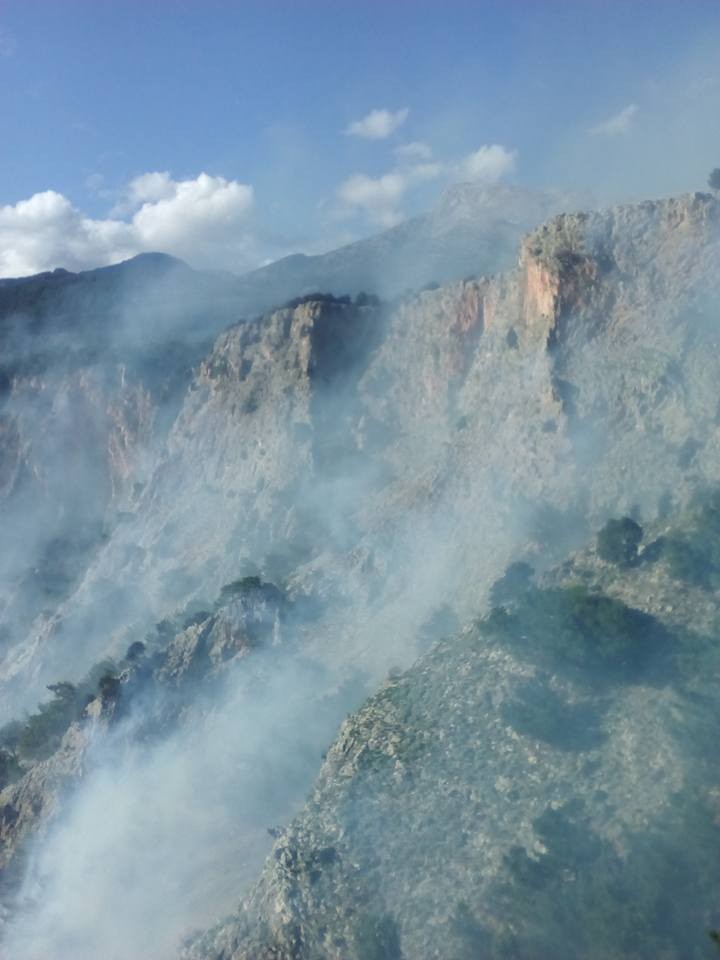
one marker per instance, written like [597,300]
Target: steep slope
[94,366]
[542,785]
[383,463]
[472,230]
[354,438]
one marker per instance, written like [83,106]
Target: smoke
[161,835]
[381,465]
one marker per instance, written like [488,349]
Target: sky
[234,133]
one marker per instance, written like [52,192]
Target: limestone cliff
[383,462]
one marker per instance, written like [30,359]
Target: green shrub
[41,735]
[580,630]
[10,769]
[108,687]
[241,587]
[694,555]
[687,562]
[618,541]
[135,651]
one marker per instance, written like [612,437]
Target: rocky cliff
[382,463]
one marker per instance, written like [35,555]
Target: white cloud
[204,221]
[413,151]
[379,197]
[620,123]
[150,187]
[378,124]
[489,164]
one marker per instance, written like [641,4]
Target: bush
[42,732]
[135,651]
[714,179]
[39,735]
[618,541]
[686,562]
[580,630]
[367,300]
[239,588]
[108,687]
[10,769]
[694,556]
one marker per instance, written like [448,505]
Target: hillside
[542,784]
[373,467]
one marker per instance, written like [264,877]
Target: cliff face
[384,463]
[581,383]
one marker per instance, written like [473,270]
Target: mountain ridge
[382,464]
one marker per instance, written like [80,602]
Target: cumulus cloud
[379,197]
[204,221]
[489,164]
[413,151]
[378,124]
[617,125]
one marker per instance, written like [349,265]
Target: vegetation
[714,179]
[10,769]
[581,631]
[694,555]
[367,300]
[251,586]
[241,587]
[135,651]
[316,298]
[39,735]
[541,714]
[647,904]
[618,541]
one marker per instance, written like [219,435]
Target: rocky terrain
[540,785]
[365,470]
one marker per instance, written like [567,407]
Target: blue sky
[621,98]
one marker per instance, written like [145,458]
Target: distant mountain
[473,230]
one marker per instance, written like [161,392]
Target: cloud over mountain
[205,220]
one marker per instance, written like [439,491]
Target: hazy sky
[315,122]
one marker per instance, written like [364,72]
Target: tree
[618,541]
[714,179]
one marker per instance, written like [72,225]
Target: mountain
[95,366]
[473,230]
[336,488]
